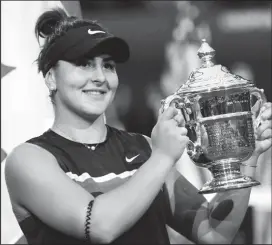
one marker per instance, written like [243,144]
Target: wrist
[161,156]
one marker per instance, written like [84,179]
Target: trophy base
[227,177]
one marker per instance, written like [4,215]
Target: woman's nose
[98,75]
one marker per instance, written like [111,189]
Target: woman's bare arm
[37,183]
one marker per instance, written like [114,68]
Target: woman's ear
[50,80]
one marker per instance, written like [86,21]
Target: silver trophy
[219,109]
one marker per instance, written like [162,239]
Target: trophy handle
[184,106]
[261,98]
[170,100]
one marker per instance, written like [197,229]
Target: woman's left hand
[263,134]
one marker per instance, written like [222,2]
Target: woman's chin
[93,114]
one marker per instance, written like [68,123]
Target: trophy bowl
[220,112]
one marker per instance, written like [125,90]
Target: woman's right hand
[169,134]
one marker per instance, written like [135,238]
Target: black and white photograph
[136,122]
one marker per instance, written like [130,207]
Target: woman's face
[86,87]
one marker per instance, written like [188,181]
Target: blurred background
[164,37]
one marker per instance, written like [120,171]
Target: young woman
[84,181]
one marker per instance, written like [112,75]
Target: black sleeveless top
[111,164]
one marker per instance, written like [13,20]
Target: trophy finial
[206,53]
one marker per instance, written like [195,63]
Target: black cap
[86,41]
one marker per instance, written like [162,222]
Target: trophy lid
[209,76]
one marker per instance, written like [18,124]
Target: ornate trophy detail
[218,110]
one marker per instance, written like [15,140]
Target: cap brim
[115,47]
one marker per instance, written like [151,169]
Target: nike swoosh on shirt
[132,158]
[94,32]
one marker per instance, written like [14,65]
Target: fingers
[263,127]
[160,111]
[261,108]
[181,131]
[264,130]
[267,134]
[169,113]
[267,111]
[183,140]
[267,105]
[180,120]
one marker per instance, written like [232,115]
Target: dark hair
[53,24]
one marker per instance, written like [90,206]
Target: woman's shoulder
[25,163]
[24,149]
[40,138]
[26,154]
[31,148]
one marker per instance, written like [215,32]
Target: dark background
[147,26]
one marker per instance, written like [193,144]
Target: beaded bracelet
[88,220]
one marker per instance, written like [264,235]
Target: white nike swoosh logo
[94,32]
[131,159]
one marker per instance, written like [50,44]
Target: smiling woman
[62,182]
[77,90]
[84,181]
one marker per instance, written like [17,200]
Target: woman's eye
[109,66]
[83,62]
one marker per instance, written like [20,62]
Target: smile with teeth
[94,92]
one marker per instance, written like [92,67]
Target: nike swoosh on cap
[132,158]
[94,32]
